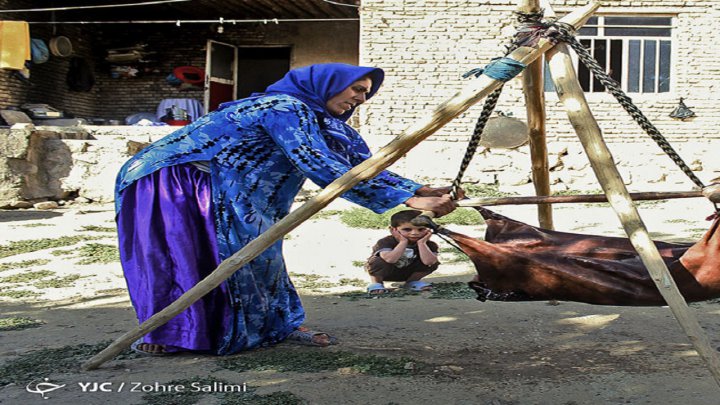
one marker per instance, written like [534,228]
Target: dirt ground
[441,347]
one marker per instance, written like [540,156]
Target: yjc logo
[96,387]
[42,388]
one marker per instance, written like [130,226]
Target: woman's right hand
[441,206]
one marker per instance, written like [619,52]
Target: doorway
[259,67]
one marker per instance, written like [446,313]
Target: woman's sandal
[135,346]
[376,288]
[304,336]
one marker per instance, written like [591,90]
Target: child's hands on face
[397,235]
[425,238]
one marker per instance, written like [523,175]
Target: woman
[200,194]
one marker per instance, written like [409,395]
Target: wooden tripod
[475,91]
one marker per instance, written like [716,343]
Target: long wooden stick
[572,97]
[533,89]
[581,198]
[461,101]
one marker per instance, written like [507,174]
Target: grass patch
[363,218]
[461,217]
[93,253]
[27,276]
[18,323]
[57,282]
[312,361]
[95,228]
[310,281]
[577,192]
[62,252]
[484,190]
[23,264]
[352,281]
[358,263]
[34,225]
[326,214]
[359,295]
[452,291]
[678,221]
[19,294]
[45,362]
[111,291]
[235,395]
[34,245]
[454,255]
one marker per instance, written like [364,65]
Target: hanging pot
[60,46]
[504,132]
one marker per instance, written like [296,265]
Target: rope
[487,111]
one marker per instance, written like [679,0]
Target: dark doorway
[260,67]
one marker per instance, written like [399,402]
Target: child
[406,255]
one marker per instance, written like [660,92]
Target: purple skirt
[167,245]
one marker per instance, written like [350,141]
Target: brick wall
[110,98]
[426,45]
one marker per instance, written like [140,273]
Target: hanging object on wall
[682,112]
[60,46]
[39,51]
[504,132]
[190,74]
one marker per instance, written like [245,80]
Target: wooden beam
[473,92]
[582,198]
[572,97]
[533,89]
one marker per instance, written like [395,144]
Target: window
[635,51]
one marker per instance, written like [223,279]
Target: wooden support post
[573,99]
[533,88]
[585,198]
[461,101]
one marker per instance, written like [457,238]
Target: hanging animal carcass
[519,262]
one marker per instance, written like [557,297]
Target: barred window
[633,50]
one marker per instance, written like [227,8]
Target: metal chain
[565,33]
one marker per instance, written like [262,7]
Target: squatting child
[406,255]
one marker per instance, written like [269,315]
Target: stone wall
[64,163]
[53,163]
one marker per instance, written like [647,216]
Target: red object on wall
[190,74]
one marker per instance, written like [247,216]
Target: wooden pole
[533,89]
[572,97]
[456,105]
[584,198]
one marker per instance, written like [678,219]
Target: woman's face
[349,98]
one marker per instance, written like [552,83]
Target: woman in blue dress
[195,197]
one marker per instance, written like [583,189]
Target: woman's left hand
[426,191]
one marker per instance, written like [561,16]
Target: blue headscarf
[314,85]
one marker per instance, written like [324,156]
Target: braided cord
[565,34]
[488,107]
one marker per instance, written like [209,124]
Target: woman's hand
[426,191]
[442,205]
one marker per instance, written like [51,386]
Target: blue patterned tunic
[260,151]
